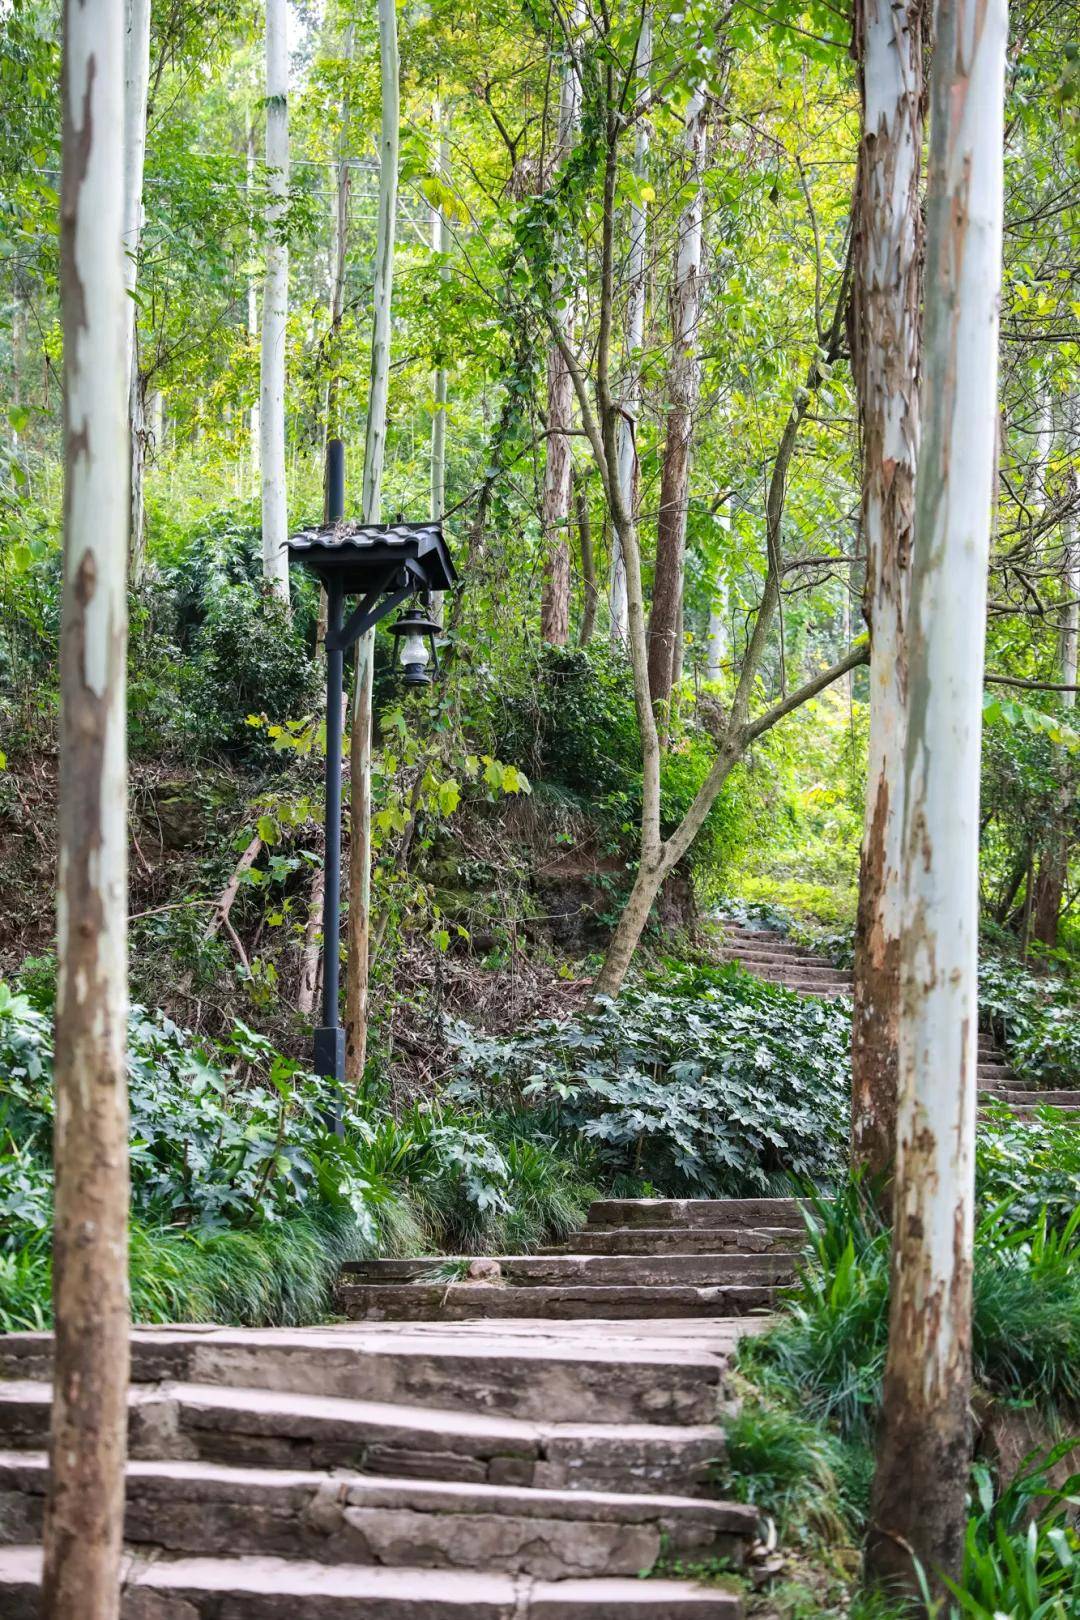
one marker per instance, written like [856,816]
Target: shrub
[830,1343]
[706,1082]
[1035,1019]
[1022,1548]
[244,1202]
[575,725]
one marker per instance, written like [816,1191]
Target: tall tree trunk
[588,563]
[1054,858]
[275,520]
[885,359]
[84,1516]
[683,384]
[339,248]
[637,276]
[918,1505]
[717,646]
[558,464]
[440,244]
[136,85]
[359,926]
[254,428]
[1070,630]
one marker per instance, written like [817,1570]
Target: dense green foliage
[830,1342]
[244,1200]
[704,1082]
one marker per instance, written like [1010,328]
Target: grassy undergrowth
[244,1202]
[801,1446]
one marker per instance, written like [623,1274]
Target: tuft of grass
[789,1466]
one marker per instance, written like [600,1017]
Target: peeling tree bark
[684,381]
[635,337]
[275,521]
[885,339]
[359,921]
[84,1515]
[558,464]
[918,1506]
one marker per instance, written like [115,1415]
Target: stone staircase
[636,1260]
[519,1448]
[771,955]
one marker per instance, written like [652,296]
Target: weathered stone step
[1033,1112]
[1021,1097]
[696,1212]
[285,1589]
[206,1508]
[544,1271]
[464,1301]
[262,1429]
[795,976]
[684,1240]
[538,1377]
[775,956]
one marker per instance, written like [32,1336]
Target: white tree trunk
[717,648]
[254,429]
[275,521]
[1071,624]
[683,385]
[558,463]
[924,1449]
[84,1515]
[886,336]
[441,245]
[136,84]
[637,276]
[341,174]
[359,925]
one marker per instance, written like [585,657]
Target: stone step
[697,1212]
[536,1376]
[677,1241]
[795,977]
[316,1433]
[210,1509]
[1019,1097]
[775,956]
[286,1589]
[533,1271]
[465,1301]
[1034,1113]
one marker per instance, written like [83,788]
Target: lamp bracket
[375,606]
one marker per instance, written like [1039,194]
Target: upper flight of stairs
[771,955]
[636,1260]
[519,1464]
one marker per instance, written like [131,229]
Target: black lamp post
[384,565]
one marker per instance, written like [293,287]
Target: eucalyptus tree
[359,918]
[136,90]
[84,1515]
[636,295]
[885,327]
[919,1497]
[275,517]
[683,386]
[558,463]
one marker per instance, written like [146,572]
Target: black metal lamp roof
[356,554]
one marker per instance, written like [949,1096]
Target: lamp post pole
[330,1039]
